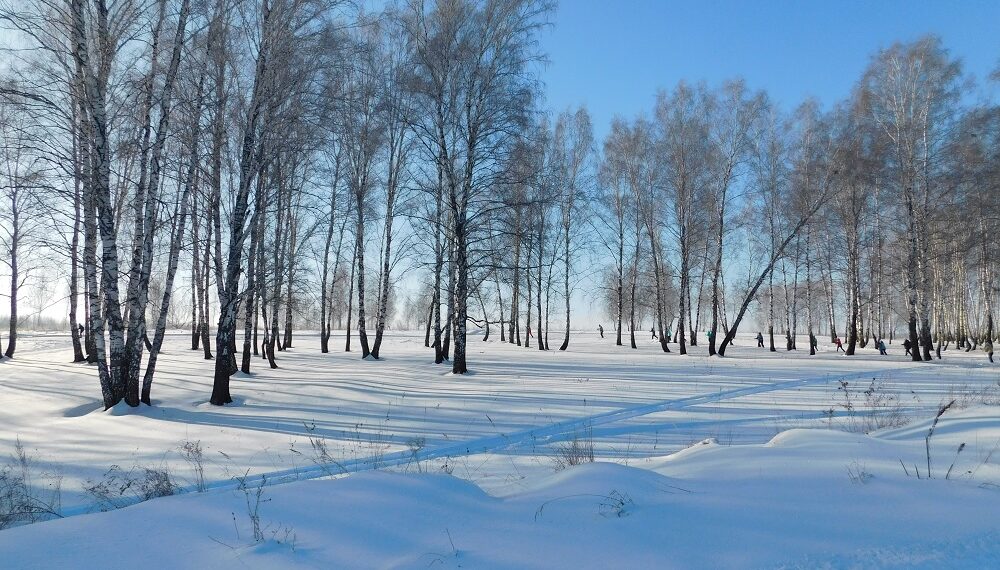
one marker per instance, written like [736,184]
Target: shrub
[22,501]
[120,488]
[576,451]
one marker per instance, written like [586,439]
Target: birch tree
[574,139]
[912,89]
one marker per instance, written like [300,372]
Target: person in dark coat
[881,347]
[652,331]
[760,340]
[600,329]
[908,346]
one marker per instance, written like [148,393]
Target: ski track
[542,435]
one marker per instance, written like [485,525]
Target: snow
[702,462]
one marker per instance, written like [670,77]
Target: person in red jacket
[840,346]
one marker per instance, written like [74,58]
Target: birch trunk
[74,249]
[250,158]
[15,239]
[350,297]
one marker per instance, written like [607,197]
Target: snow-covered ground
[701,462]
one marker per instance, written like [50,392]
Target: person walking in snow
[760,340]
[881,347]
[908,346]
[840,345]
[652,331]
[600,329]
[988,349]
[813,343]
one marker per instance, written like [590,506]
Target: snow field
[730,502]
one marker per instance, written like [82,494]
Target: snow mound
[979,422]
[597,479]
[806,499]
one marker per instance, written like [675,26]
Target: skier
[840,345]
[881,347]
[908,345]
[652,331]
[988,349]
[600,329]
[760,340]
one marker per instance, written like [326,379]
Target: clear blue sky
[614,55]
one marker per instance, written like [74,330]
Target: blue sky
[614,55]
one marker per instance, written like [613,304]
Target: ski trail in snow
[542,435]
[567,429]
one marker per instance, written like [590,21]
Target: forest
[250,171]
